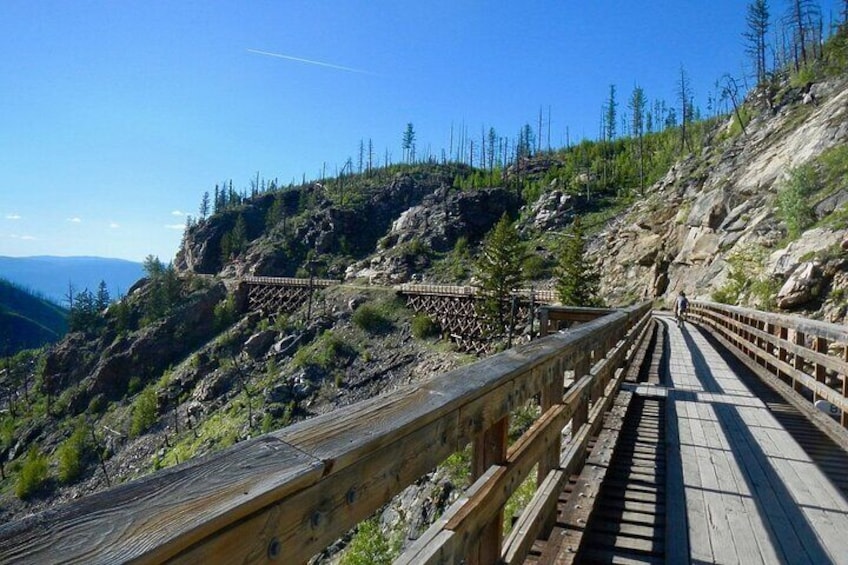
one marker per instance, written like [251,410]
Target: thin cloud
[179,213]
[74,220]
[309,61]
[24,237]
[114,225]
[13,216]
[175,226]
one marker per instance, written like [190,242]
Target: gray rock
[280,393]
[708,210]
[285,345]
[831,203]
[803,285]
[356,302]
[258,344]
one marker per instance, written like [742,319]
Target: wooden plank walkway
[748,492]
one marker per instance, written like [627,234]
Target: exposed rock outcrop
[725,204]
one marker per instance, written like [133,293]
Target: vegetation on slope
[27,321]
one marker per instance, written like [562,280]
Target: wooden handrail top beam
[330,471]
[289,281]
[832,332]
[540,295]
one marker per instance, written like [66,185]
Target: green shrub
[535,267]
[225,313]
[423,326]
[33,474]
[369,318]
[369,546]
[71,455]
[144,412]
[747,280]
[134,385]
[326,352]
[792,205]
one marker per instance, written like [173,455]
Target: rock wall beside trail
[681,235]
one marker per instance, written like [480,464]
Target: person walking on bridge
[681,307]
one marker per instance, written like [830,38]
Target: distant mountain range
[26,320]
[50,276]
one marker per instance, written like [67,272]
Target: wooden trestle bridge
[655,443]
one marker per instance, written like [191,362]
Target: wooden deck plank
[777,504]
[750,537]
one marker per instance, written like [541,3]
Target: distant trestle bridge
[456,309]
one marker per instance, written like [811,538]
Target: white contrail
[308,61]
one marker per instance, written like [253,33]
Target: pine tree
[238,237]
[204,205]
[684,91]
[408,144]
[802,18]
[276,213]
[609,114]
[576,282]
[757,20]
[102,296]
[498,270]
[637,106]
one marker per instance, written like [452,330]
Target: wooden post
[550,396]
[845,390]
[798,361]
[489,449]
[581,413]
[820,345]
[782,355]
[543,322]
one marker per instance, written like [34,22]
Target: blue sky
[115,117]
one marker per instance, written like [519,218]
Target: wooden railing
[539,295]
[554,318]
[809,356]
[286,495]
[289,281]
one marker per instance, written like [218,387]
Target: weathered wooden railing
[554,318]
[809,356]
[286,495]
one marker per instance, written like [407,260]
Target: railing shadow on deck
[288,494]
[787,526]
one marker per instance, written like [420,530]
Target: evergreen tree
[684,93]
[204,205]
[493,139]
[576,282]
[637,106]
[102,296]
[238,237]
[802,17]
[277,212]
[408,144]
[498,270]
[83,316]
[610,114]
[757,20]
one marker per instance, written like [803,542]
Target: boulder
[257,344]
[785,261]
[831,203]
[803,285]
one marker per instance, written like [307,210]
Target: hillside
[51,276]
[751,209]
[27,321]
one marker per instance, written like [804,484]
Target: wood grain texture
[294,491]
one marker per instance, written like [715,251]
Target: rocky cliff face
[692,227]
